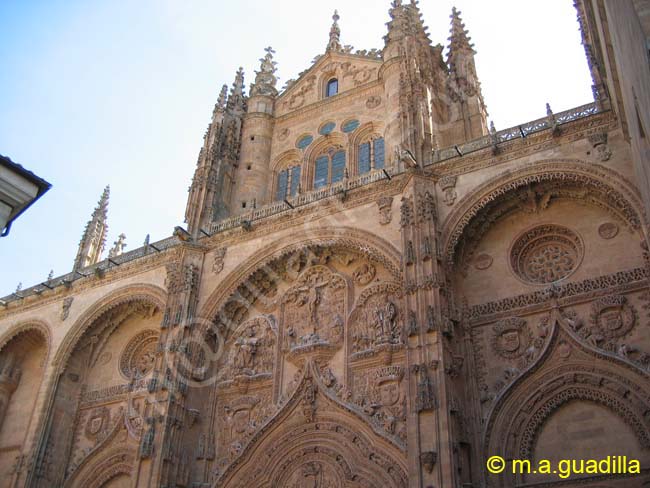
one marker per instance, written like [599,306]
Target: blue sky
[120,92]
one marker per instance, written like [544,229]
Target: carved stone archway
[314,440]
[567,369]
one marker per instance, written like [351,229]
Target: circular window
[304,141]
[327,128]
[546,254]
[350,125]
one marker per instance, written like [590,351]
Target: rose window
[546,254]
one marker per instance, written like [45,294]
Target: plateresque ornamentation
[546,254]
[137,359]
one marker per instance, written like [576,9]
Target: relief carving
[448,187]
[380,393]
[65,308]
[314,311]
[612,317]
[364,274]
[373,102]
[608,230]
[219,260]
[546,254]
[511,338]
[385,205]
[251,351]
[376,322]
[138,357]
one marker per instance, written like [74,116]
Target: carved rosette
[137,358]
[314,314]
[546,254]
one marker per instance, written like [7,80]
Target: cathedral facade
[374,288]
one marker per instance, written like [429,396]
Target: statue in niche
[247,347]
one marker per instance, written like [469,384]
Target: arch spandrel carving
[315,438]
[568,369]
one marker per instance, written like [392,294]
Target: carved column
[161,441]
[428,325]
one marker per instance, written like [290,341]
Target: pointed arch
[38,326]
[599,184]
[145,293]
[313,428]
[567,369]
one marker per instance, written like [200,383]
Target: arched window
[329,168]
[288,183]
[371,155]
[332,87]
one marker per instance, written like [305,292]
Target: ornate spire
[94,236]
[459,40]
[335,34]
[236,99]
[265,79]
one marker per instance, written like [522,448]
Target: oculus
[546,254]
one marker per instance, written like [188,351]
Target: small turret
[93,240]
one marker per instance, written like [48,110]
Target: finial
[335,34]
[19,287]
[118,246]
[146,240]
[493,129]
[265,79]
[50,275]
[549,112]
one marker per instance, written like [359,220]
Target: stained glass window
[332,87]
[321,171]
[283,180]
[378,149]
[303,142]
[372,155]
[327,128]
[350,125]
[364,158]
[338,166]
[329,168]
[295,180]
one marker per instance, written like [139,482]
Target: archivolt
[38,326]
[599,183]
[146,293]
